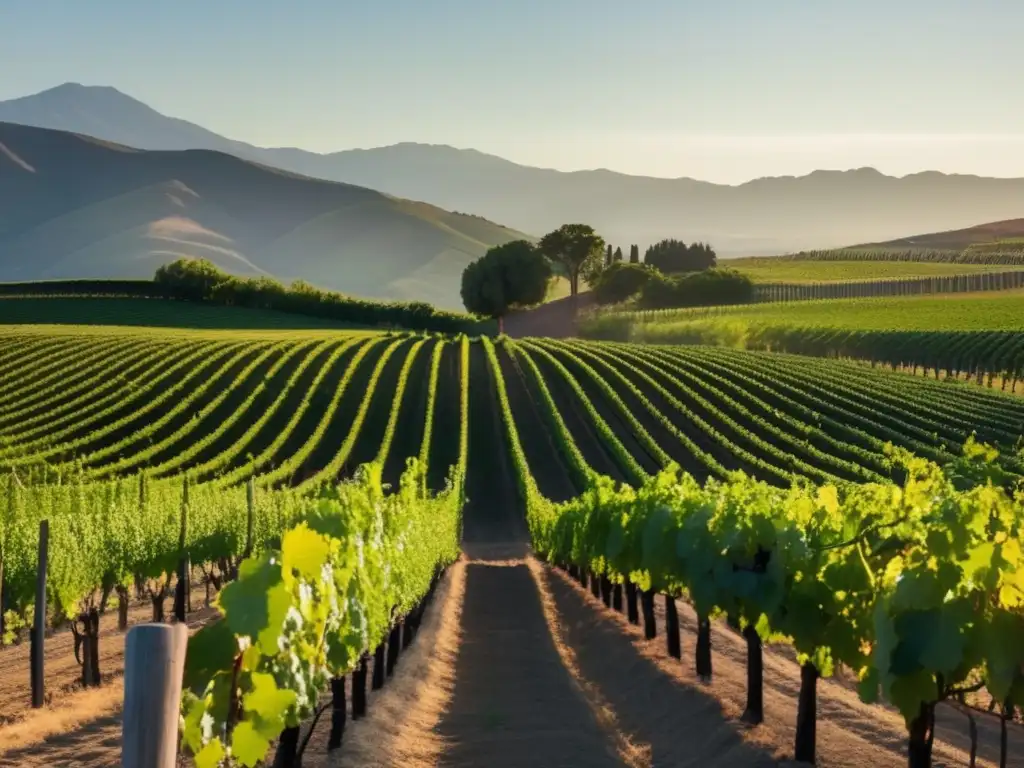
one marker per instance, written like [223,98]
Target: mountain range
[763,216]
[75,206]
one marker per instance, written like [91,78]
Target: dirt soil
[77,727]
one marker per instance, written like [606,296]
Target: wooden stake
[39,630]
[154,662]
[181,592]
[250,503]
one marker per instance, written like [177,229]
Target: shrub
[201,280]
[697,289]
[622,281]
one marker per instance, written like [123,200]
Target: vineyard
[921,286]
[236,455]
[973,336]
[1005,252]
[787,269]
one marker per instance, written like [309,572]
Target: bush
[200,280]
[622,281]
[698,289]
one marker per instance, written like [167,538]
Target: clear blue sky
[724,90]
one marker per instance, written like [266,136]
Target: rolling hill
[74,206]
[824,209]
[991,234]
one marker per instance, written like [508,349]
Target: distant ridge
[823,209]
[72,206]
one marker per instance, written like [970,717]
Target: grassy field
[980,335]
[768,270]
[1002,311]
[159,313]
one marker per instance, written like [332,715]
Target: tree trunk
[394,646]
[606,591]
[287,755]
[94,646]
[919,752]
[807,714]
[158,607]
[631,608]
[672,628]
[754,713]
[378,666]
[337,713]
[650,625]
[407,631]
[703,652]
[359,689]
[595,585]
[122,608]
[617,598]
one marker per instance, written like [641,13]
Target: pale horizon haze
[721,90]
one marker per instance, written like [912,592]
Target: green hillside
[77,207]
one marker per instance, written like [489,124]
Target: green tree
[507,277]
[571,245]
[621,281]
[192,279]
[618,254]
[634,254]
[670,256]
[593,267]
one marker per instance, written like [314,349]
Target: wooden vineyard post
[617,598]
[154,662]
[250,504]
[181,592]
[39,628]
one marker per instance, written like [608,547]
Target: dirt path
[513,702]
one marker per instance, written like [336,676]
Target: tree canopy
[508,276]
[572,245]
[621,281]
[670,256]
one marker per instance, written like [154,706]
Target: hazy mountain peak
[823,208]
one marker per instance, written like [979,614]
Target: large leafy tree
[670,256]
[508,276]
[572,245]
